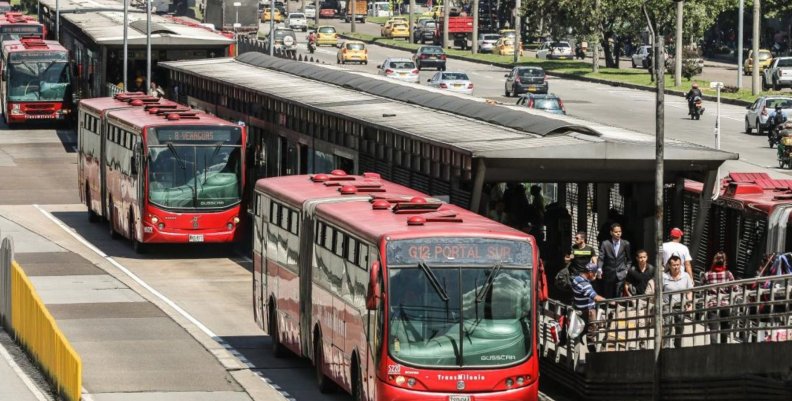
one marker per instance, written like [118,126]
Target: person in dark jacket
[614,262]
[639,275]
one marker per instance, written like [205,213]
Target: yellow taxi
[384,31]
[352,51]
[765,59]
[435,13]
[326,36]
[265,15]
[505,46]
[399,30]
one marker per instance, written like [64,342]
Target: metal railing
[750,310]
[31,324]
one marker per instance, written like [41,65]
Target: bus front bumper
[152,234]
[392,393]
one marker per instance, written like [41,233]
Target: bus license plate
[196,238]
[460,398]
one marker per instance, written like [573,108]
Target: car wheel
[444,68]
[748,129]
[764,85]
[758,127]
[506,92]
[632,61]
[776,86]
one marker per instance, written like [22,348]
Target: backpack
[563,279]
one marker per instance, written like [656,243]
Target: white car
[452,81]
[402,69]
[486,42]
[310,11]
[555,51]
[639,58]
[297,21]
[756,114]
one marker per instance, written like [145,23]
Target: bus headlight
[509,382]
[236,220]
[154,220]
[16,109]
[400,380]
[411,382]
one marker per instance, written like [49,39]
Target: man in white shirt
[676,247]
[676,280]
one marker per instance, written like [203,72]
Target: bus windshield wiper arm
[179,160]
[488,284]
[183,166]
[433,281]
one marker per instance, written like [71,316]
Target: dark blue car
[549,103]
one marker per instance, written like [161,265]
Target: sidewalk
[15,384]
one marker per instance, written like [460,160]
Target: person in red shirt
[719,299]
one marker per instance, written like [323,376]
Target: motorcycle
[696,107]
[776,132]
[311,46]
[784,141]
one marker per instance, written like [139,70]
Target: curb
[674,92]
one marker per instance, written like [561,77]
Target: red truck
[460,30]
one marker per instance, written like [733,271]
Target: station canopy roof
[515,143]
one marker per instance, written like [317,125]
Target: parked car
[525,79]
[398,30]
[555,51]
[778,75]
[389,23]
[487,41]
[765,59]
[505,46]
[641,57]
[352,51]
[402,69]
[297,21]
[310,11]
[265,15]
[430,56]
[452,81]
[757,113]
[326,36]
[424,31]
[549,103]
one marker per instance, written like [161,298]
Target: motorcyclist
[691,96]
[774,119]
[312,41]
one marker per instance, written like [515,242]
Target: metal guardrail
[28,319]
[744,311]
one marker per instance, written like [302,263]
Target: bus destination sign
[20,28]
[228,136]
[38,56]
[458,251]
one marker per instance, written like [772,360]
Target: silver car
[310,11]
[486,42]
[452,81]
[756,114]
[640,57]
[402,69]
[297,21]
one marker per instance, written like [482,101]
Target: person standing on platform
[614,262]
[676,247]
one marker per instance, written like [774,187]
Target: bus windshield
[37,80]
[194,168]
[457,302]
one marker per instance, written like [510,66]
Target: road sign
[716,85]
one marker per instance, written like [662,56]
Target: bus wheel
[357,383]
[111,221]
[137,246]
[92,216]
[277,348]
[324,382]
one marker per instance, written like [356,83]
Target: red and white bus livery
[15,26]
[394,295]
[36,82]
[160,172]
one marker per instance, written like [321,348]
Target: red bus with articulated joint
[159,172]
[36,81]
[392,294]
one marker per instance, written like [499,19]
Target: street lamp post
[126,45]
[148,45]
[517,31]
[237,4]
[351,9]
[678,50]
[740,43]
[272,26]
[757,17]
[717,86]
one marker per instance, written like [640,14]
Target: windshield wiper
[488,284]
[179,160]
[211,159]
[433,281]
[183,166]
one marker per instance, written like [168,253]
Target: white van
[380,9]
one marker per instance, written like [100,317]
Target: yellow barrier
[39,334]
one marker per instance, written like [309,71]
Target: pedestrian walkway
[15,384]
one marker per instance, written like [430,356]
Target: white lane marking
[21,374]
[156,293]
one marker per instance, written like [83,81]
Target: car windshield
[34,79]
[490,37]
[355,46]
[764,56]
[280,33]
[459,301]
[785,62]
[530,72]
[547,104]
[194,167]
[454,76]
[402,65]
[431,50]
[560,44]
[296,16]
[400,26]
[327,29]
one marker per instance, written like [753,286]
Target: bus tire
[357,380]
[110,220]
[277,347]
[137,246]
[92,216]
[322,381]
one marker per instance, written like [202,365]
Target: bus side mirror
[373,294]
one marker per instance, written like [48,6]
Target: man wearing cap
[676,247]
[585,299]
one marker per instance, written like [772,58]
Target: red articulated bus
[160,172]
[394,295]
[14,26]
[36,82]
